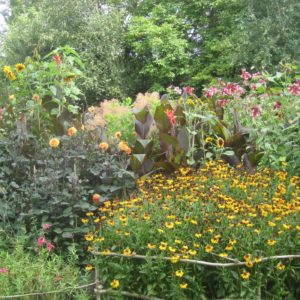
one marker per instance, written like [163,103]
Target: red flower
[3,270]
[245,75]
[189,90]
[171,116]
[223,102]
[294,89]
[255,111]
[277,105]
[46,226]
[41,241]
[57,59]
[50,247]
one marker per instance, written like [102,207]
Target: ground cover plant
[218,214]
[23,272]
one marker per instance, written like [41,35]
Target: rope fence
[200,262]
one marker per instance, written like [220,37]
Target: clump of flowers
[217,214]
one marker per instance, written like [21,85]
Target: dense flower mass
[216,214]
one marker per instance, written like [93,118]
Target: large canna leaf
[143,146]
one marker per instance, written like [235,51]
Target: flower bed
[219,215]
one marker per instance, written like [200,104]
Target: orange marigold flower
[118,134]
[54,143]
[71,131]
[96,198]
[103,146]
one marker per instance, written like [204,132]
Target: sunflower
[220,142]
[20,67]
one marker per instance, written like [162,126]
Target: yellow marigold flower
[71,131]
[89,267]
[179,273]
[54,143]
[163,246]
[118,135]
[151,246]
[271,242]
[89,214]
[298,227]
[178,241]
[105,252]
[271,224]
[103,146]
[91,109]
[192,252]
[127,252]
[209,248]
[220,142]
[171,249]
[247,257]
[257,259]
[169,225]
[286,226]
[196,245]
[228,247]
[100,239]
[194,222]
[280,266]
[208,140]
[20,67]
[160,230]
[232,242]
[175,259]
[90,249]
[89,237]
[11,97]
[214,240]
[245,275]
[183,285]
[198,235]
[224,254]
[84,220]
[249,264]
[115,284]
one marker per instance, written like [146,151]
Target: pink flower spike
[46,226]
[255,111]
[41,241]
[50,247]
[277,105]
[3,270]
